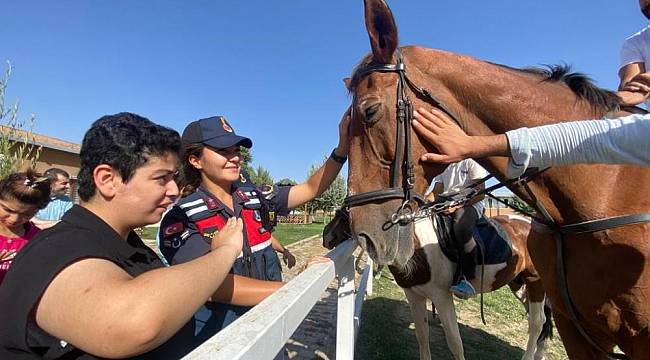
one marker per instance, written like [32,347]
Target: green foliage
[515,201]
[290,233]
[261,176]
[286,181]
[247,159]
[17,143]
[332,197]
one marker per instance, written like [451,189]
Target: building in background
[494,207]
[54,153]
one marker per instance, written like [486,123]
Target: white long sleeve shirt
[623,140]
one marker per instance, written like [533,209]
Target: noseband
[405,214]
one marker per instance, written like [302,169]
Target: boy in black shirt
[88,287]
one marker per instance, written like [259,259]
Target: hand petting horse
[598,281]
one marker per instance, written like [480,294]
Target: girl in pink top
[21,196]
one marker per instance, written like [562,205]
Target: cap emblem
[225,125]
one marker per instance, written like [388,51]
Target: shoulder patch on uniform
[173,229]
[240,194]
[212,203]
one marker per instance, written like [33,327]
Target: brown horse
[606,271]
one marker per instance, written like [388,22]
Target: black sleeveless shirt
[79,235]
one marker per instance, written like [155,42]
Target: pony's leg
[577,348]
[418,305]
[540,325]
[536,321]
[447,315]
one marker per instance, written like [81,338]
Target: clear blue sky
[273,68]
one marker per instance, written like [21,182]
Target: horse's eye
[371,114]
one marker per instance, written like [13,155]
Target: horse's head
[386,179]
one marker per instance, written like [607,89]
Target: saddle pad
[494,245]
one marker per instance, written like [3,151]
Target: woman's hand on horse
[342,149]
[452,143]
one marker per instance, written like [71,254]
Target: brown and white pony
[607,273]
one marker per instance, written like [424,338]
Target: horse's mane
[580,84]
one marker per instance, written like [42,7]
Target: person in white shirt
[635,61]
[622,141]
[456,179]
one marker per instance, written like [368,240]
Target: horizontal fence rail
[263,331]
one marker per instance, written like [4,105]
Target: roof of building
[41,140]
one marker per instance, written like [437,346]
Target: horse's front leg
[418,306]
[447,314]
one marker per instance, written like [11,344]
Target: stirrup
[463,290]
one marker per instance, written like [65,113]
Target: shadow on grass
[386,333]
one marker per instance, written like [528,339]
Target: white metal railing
[264,330]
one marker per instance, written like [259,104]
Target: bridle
[405,214]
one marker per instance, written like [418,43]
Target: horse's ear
[381,30]
[347,82]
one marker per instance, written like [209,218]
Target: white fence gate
[263,331]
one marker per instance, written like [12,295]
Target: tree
[332,197]
[17,143]
[286,181]
[247,159]
[516,201]
[261,176]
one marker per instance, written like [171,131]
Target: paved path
[315,338]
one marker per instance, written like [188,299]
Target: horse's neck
[497,99]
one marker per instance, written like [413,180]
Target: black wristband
[339,159]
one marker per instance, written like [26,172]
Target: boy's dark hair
[53,174]
[27,187]
[124,141]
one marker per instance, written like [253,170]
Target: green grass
[290,233]
[286,233]
[387,331]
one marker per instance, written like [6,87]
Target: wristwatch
[339,159]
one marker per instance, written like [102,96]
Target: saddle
[494,246]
